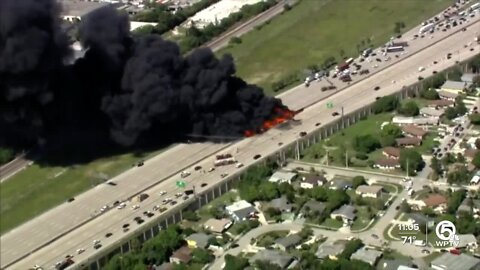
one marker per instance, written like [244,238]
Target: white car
[80,250]
[179,194]
[239,165]
[184,174]
[163,192]
[104,208]
[96,242]
[37,267]
[135,207]
[121,206]
[211,169]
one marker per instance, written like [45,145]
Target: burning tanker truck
[224,159]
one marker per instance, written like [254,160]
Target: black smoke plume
[134,87]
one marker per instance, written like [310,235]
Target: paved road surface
[14,166]
[42,229]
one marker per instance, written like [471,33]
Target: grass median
[313,31]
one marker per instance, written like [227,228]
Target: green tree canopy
[414,160]
[235,263]
[358,181]
[410,108]
[476,160]
[391,130]
[365,143]
[475,118]
[385,104]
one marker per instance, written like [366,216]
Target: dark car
[317,124]
[197,168]
[140,164]
[257,156]
[112,183]
[108,235]
[173,202]
[125,225]
[235,245]
[377,98]
[71,200]
[435,62]
[335,114]
[97,246]
[280,143]
[115,203]
[303,133]
[376,88]
[203,185]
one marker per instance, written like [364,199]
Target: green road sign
[329,105]
[181,184]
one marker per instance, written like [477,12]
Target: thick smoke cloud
[140,86]
[32,51]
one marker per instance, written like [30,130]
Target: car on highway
[173,202]
[317,124]
[211,169]
[38,267]
[203,185]
[96,242]
[165,201]
[125,225]
[234,245]
[163,209]
[178,195]
[376,88]
[140,164]
[223,175]
[374,236]
[185,197]
[163,192]
[257,156]
[197,168]
[121,205]
[135,207]
[107,235]
[303,133]
[71,200]
[80,250]
[184,174]
[425,251]
[335,114]
[238,165]
[280,143]
[103,209]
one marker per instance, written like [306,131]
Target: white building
[241,210]
[369,191]
[282,177]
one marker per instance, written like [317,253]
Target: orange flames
[282,116]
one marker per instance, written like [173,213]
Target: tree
[475,119]
[476,160]
[235,40]
[409,109]
[455,75]
[365,143]
[414,159]
[306,232]
[477,143]
[358,181]
[430,94]
[350,248]
[191,216]
[459,176]
[387,141]
[391,130]
[405,207]
[385,104]
[235,262]
[456,198]
[460,108]
[202,256]
[450,113]
[5,155]
[435,165]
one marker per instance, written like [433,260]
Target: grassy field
[37,188]
[315,30]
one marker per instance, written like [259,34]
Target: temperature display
[409,232]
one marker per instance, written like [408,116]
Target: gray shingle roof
[314,206]
[289,241]
[273,256]
[281,203]
[450,261]
[200,238]
[346,211]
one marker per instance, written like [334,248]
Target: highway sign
[181,184]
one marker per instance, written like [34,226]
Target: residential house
[437,202]
[396,265]
[340,184]
[391,152]
[217,225]
[387,164]
[414,131]
[281,204]
[448,261]
[181,255]
[421,220]
[432,112]
[408,142]
[454,87]
[469,154]
[369,191]
[288,241]
[467,241]
[418,121]
[241,210]
[275,257]
[475,179]
[370,256]
[440,103]
[313,206]
[312,181]
[471,142]
[198,240]
[447,95]
[330,250]
[346,213]
[282,177]
[468,77]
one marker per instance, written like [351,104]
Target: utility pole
[407,169]
[328,157]
[346,158]
[297,151]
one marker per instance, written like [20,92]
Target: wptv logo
[447,234]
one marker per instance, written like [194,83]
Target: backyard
[313,31]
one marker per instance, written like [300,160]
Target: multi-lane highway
[357,96]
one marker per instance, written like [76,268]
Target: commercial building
[241,210]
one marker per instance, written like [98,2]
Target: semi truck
[394,49]
[226,161]
[426,28]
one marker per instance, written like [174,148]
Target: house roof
[446,94]
[289,241]
[466,239]
[217,225]
[470,153]
[454,85]
[456,262]
[164,266]
[392,151]
[369,256]
[329,249]
[281,176]
[402,120]
[395,265]
[80,8]
[419,218]
[281,203]
[183,254]
[435,200]
[408,141]
[346,211]
[413,130]
[315,206]
[241,209]
[468,77]
[369,189]
[387,162]
[432,111]
[201,239]
[273,256]
[441,103]
[314,179]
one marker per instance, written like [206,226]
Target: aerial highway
[356,96]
